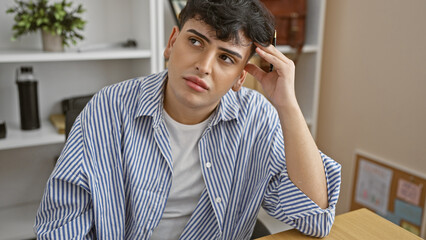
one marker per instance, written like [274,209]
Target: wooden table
[360,224]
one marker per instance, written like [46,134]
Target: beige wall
[373,84]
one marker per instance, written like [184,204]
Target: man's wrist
[288,107]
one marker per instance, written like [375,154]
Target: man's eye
[195,42]
[226,59]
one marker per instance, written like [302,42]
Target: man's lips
[196,83]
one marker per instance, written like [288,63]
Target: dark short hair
[228,17]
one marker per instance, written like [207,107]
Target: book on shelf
[58,121]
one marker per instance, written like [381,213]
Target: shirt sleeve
[286,202]
[66,210]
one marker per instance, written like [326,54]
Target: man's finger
[270,49]
[255,71]
[270,58]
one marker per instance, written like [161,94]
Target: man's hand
[278,85]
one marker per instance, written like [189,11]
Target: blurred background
[360,80]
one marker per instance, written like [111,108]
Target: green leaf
[39,21]
[21,24]
[31,5]
[10,10]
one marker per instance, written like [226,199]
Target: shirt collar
[228,108]
[151,96]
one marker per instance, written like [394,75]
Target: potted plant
[58,22]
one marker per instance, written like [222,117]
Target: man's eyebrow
[208,40]
[199,34]
[231,52]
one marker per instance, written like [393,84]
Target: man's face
[202,68]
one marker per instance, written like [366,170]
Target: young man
[188,153]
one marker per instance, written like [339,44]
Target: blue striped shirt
[114,173]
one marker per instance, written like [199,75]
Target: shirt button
[208,165]
[218,199]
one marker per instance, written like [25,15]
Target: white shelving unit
[22,56]
[108,24]
[74,73]
[62,75]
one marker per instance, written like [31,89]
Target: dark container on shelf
[2,129]
[28,98]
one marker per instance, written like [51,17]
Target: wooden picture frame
[177,6]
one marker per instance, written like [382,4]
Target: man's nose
[205,63]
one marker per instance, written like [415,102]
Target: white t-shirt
[187,183]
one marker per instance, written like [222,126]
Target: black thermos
[28,98]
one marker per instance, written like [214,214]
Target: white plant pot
[51,43]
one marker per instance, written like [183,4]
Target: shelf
[14,56]
[306,49]
[17,222]
[17,138]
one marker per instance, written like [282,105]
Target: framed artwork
[177,6]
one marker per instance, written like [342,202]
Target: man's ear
[239,83]
[171,42]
